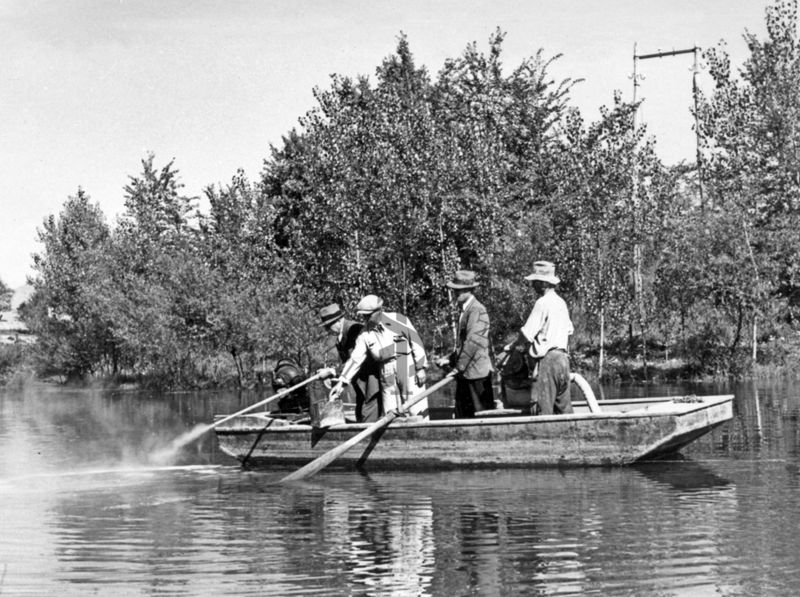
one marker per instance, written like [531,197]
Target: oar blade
[313,467]
[323,461]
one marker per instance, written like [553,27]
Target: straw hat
[462,280]
[544,271]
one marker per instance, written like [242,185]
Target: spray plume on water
[113,470]
[168,455]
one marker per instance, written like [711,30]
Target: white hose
[587,392]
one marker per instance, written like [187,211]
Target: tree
[5,297]
[391,187]
[158,293]
[750,128]
[256,312]
[75,335]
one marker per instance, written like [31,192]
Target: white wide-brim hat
[544,271]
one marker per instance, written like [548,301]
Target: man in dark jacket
[471,357]
[365,385]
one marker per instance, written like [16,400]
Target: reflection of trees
[456,533]
[385,546]
[411,540]
[480,547]
[128,530]
[498,552]
[765,421]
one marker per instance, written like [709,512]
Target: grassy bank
[15,364]
[19,365]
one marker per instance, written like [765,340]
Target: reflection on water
[85,512]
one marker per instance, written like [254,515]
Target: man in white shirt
[547,332]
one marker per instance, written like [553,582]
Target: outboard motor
[288,373]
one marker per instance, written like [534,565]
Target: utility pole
[695,69]
[638,289]
[637,248]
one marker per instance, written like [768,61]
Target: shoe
[410,419]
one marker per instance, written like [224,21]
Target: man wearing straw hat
[547,331]
[365,384]
[471,356]
[391,340]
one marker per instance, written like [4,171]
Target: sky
[89,88]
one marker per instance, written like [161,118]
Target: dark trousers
[473,395]
[550,389]
[369,406]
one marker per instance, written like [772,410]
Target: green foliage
[257,311]
[391,187]
[156,295]
[5,297]
[74,335]
[749,130]
[14,359]
[598,217]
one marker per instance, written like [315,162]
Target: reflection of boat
[623,432]
[685,475]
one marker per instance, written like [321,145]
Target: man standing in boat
[471,355]
[391,340]
[365,384]
[546,334]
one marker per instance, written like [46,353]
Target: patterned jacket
[472,358]
[393,339]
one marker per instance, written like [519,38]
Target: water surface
[86,511]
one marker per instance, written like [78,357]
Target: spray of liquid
[114,470]
[169,454]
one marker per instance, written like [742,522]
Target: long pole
[167,454]
[637,247]
[266,401]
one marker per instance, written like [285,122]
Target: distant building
[12,328]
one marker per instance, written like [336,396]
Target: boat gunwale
[681,409]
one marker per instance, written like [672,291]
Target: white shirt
[376,342]
[548,326]
[464,306]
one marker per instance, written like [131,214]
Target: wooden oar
[320,463]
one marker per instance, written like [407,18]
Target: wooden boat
[622,432]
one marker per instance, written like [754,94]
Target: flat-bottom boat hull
[635,430]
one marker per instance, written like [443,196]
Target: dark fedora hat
[330,314]
[462,280]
